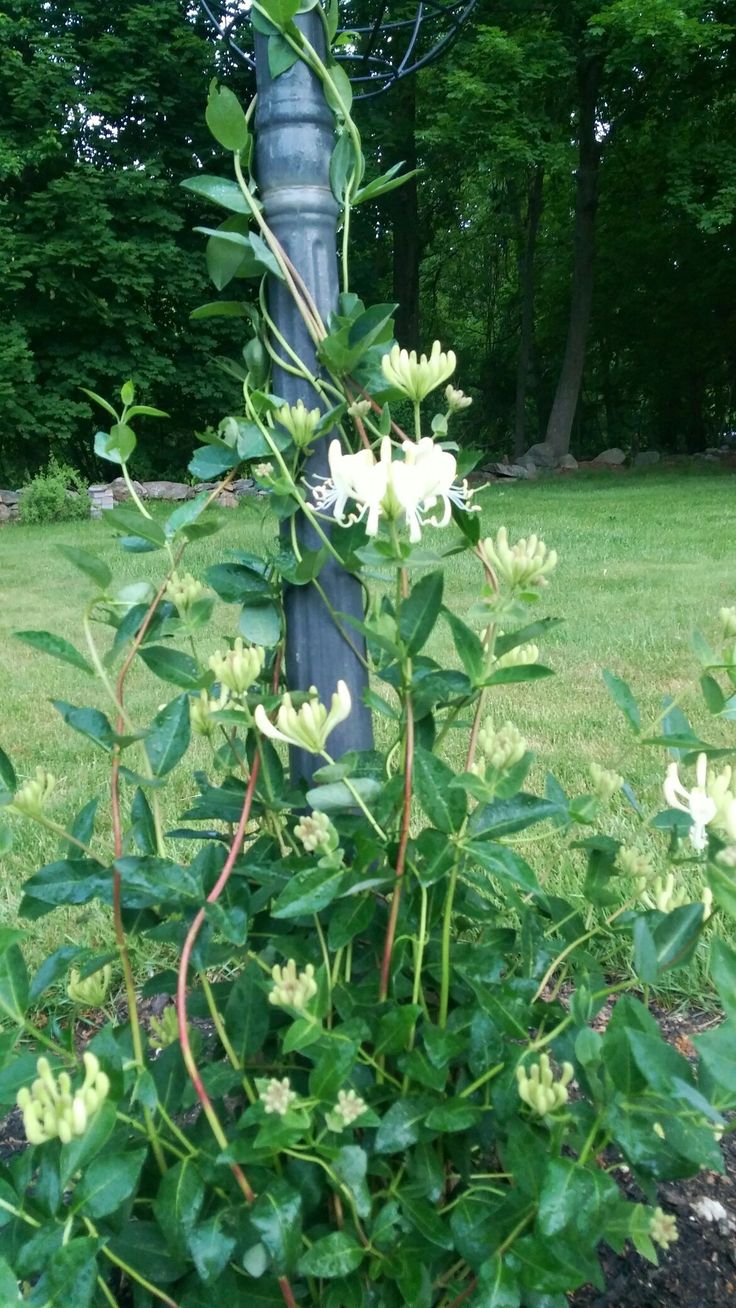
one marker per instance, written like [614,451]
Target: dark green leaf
[723,973]
[505,816]
[88,722]
[210,1248]
[623,699]
[218,190]
[178,1203]
[168,738]
[276,1215]
[126,518]
[402,1124]
[261,624]
[69,1278]
[107,1183]
[70,881]
[8,779]
[309,892]
[87,563]
[117,445]
[143,1247]
[446,808]
[14,985]
[509,867]
[337,1254]
[225,118]
[247,1014]
[497,1285]
[209,462]
[237,583]
[57,647]
[419,612]
[174,666]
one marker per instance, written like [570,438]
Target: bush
[57,494]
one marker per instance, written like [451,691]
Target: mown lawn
[644,560]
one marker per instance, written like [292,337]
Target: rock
[204,486]
[567,461]
[120,490]
[4,512]
[541,455]
[646,459]
[102,499]
[243,486]
[9,497]
[166,490]
[226,500]
[612,457]
[515,470]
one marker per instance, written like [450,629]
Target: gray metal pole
[294,142]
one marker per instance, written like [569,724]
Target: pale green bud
[50,1109]
[663,1228]
[502,748]
[239,667]
[300,422]
[359,409]
[348,1109]
[520,657]
[263,471]
[292,989]
[718,788]
[728,622]
[456,399]
[276,1096]
[634,864]
[183,591]
[200,715]
[33,795]
[92,991]
[527,563]
[605,783]
[540,1089]
[165,1029]
[663,895]
[315,831]
[416,377]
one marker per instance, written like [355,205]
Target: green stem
[445,947]
[128,1270]
[488,1075]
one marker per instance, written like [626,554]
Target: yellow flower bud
[309,726]
[663,1228]
[502,748]
[634,864]
[300,422]
[520,657]
[183,591]
[416,377]
[605,784]
[292,989]
[92,991]
[239,667]
[33,795]
[523,565]
[540,1089]
[456,399]
[165,1029]
[728,622]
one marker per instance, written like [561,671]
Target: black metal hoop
[372,70]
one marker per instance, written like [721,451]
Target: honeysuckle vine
[376,1073]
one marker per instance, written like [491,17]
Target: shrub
[58,494]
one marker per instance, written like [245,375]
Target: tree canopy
[570,232]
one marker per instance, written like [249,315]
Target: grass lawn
[644,560]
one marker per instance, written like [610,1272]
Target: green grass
[643,561]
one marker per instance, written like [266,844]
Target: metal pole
[294,142]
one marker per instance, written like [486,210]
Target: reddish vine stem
[460,1298]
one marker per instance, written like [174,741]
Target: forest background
[570,231]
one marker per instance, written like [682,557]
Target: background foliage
[100,268]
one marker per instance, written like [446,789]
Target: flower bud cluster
[183,591]
[728,622]
[309,726]
[348,1109]
[165,1029]
[663,895]
[292,989]
[239,667]
[519,657]
[456,399]
[606,784]
[300,422]
[719,789]
[91,991]
[633,863]
[276,1096]
[540,1089]
[359,409]
[33,795]
[527,563]
[501,748]
[663,1228]
[315,831]
[51,1109]
[416,377]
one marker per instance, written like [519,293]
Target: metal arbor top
[377,50]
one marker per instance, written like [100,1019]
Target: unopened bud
[33,795]
[605,783]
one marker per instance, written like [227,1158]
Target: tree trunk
[526,293]
[559,427]
[405,216]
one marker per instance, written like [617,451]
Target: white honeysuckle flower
[605,783]
[239,667]
[696,802]
[292,989]
[277,1096]
[540,1089]
[718,788]
[309,726]
[456,399]
[31,798]
[345,471]
[527,563]
[416,377]
[436,470]
[314,830]
[663,1228]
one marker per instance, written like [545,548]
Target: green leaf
[402,1125]
[69,1278]
[209,462]
[497,1285]
[99,400]
[338,93]
[247,1014]
[281,56]
[88,722]
[127,518]
[676,936]
[446,808]
[453,1115]
[218,309]
[148,880]
[469,647]
[419,612]
[70,881]
[168,739]
[574,1196]
[146,411]
[218,190]
[505,816]
[210,1248]
[309,892]
[554,1268]
[14,984]
[87,563]
[117,445]
[237,583]
[337,1254]
[277,1217]
[712,694]
[107,1183]
[722,882]
[143,1247]
[178,1203]
[8,779]
[342,164]
[349,918]
[351,1166]
[388,181]
[226,119]
[280,12]
[185,515]
[645,951]
[9,1289]
[338,798]
[261,624]
[509,867]
[623,699]
[174,666]
[723,973]
[57,647]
